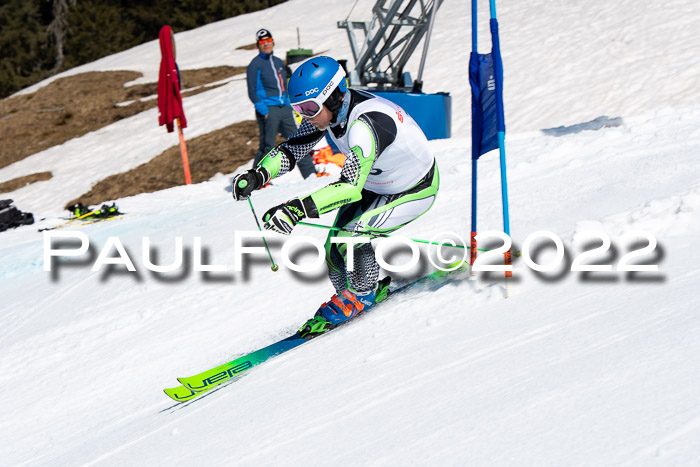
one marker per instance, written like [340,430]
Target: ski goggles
[313,106]
[309,108]
[265,40]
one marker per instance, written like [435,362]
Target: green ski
[196,385]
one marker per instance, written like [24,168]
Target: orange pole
[509,261]
[183,152]
[473,249]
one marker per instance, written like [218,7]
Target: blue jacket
[267,82]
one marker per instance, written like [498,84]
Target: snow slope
[564,64]
[573,369]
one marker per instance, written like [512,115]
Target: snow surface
[574,369]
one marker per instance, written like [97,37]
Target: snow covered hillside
[575,368]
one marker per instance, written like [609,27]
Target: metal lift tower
[381,49]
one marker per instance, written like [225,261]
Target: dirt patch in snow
[221,151]
[19,182]
[75,105]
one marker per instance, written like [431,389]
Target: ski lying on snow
[196,385]
[82,222]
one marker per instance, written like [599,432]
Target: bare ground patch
[19,182]
[75,105]
[221,151]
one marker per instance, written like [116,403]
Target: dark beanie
[262,34]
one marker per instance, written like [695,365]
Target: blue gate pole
[474,160]
[501,134]
[474,29]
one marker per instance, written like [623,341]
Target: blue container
[432,112]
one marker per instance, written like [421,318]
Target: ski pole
[377,234]
[274,267]
[66,223]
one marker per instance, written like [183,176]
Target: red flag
[169,99]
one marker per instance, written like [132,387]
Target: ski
[197,385]
[69,222]
[83,221]
[194,386]
[88,215]
[95,221]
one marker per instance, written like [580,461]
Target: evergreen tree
[39,38]
[57,29]
[26,54]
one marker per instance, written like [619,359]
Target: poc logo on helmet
[330,85]
[311,91]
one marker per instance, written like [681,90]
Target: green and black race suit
[389,177]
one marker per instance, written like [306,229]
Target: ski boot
[314,327]
[382,290]
[106,211]
[341,307]
[78,210]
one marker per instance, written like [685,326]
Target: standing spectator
[267,89]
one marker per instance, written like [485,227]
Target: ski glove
[284,217]
[246,183]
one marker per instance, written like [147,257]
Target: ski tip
[179,394]
[171,393]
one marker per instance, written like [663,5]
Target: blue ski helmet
[314,82]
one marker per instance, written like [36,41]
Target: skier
[389,179]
